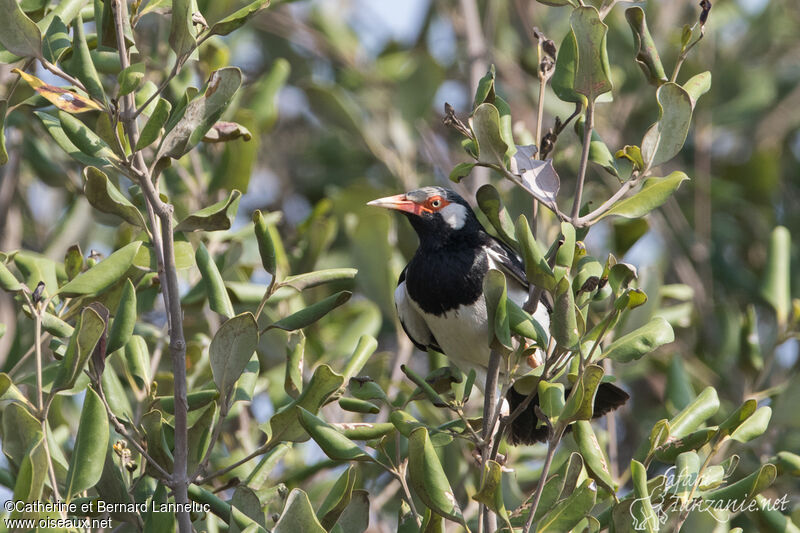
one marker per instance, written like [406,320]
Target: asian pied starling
[439,295]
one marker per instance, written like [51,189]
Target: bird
[439,296]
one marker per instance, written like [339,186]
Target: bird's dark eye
[436,202]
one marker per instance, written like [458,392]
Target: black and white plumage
[439,296]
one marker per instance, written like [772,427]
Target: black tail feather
[523,429]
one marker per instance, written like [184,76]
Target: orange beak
[398,202]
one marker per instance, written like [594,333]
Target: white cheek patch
[455,215]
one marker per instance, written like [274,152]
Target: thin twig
[552,444]
[122,430]
[587,139]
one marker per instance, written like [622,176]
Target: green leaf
[566,250]
[218,298]
[563,81]
[73,261]
[598,151]
[570,511]
[130,78]
[137,360]
[337,498]
[653,194]
[201,113]
[18,34]
[218,216]
[739,416]
[697,86]
[592,75]
[537,270]
[246,384]
[485,91]
[646,53]
[8,282]
[745,489]
[266,248]
[181,33]
[753,427]
[55,326]
[88,331]
[284,425]
[105,197]
[632,154]
[365,431]
[333,443]
[91,444]
[238,18]
[490,204]
[31,476]
[366,388]
[461,171]
[697,412]
[184,256]
[642,508]
[693,441]
[194,399]
[563,322]
[641,341]
[592,454]
[152,128]
[494,289]
[776,288]
[354,405]
[56,40]
[53,127]
[524,324]
[230,351]
[428,478]
[312,313]
[580,404]
[86,140]
[104,274]
[200,437]
[298,515]
[551,399]
[491,491]
[486,125]
[308,280]
[364,349]
[81,63]
[293,379]
[506,128]
[124,319]
[355,518]
[664,139]
[21,431]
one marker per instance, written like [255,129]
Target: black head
[437,214]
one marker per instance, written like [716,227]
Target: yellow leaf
[64,99]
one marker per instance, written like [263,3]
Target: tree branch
[169,284]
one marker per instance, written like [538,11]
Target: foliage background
[344,100]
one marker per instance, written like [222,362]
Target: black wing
[511,264]
[413,323]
